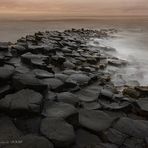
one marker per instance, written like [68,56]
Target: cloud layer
[73,7]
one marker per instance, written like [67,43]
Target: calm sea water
[131,41]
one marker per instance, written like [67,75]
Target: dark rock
[117,62]
[91,105]
[86,139]
[116,106]
[58,131]
[4,90]
[114,136]
[81,79]
[130,127]
[131,92]
[68,65]
[54,84]
[60,110]
[106,145]
[28,125]
[19,49]
[42,74]
[37,60]
[106,94]
[88,95]
[6,72]
[4,46]
[61,76]
[143,90]
[8,131]
[21,81]
[95,120]
[24,100]
[32,141]
[143,106]
[68,97]
[134,143]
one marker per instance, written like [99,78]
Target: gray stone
[59,110]
[58,131]
[24,100]
[68,97]
[95,120]
[21,81]
[130,127]
[32,141]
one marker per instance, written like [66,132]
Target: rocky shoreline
[55,93]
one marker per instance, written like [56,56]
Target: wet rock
[19,49]
[42,74]
[4,46]
[6,72]
[28,124]
[58,59]
[125,106]
[134,143]
[131,92]
[86,139]
[143,106]
[106,94]
[95,120]
[143,90]
[88,94]
[32,141]
[117,62]
[91,105]
[4,90]
[37,60]
[58,131]
[81,79]
[8,131]
[60,110]
[106,145]
[21,81]
[24,100]
[54,84]
[68,65]
[61,76]
[68,97]
[134,128]
[114,136]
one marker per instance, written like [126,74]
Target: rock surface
[60,89]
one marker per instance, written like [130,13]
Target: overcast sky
[72,7]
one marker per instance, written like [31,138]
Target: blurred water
[131,42]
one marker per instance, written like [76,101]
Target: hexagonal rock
[8,130]
[54,84]
[42,74]
[81,79]
[60,110]
[135,128]
[114,136]
[143,106]
[28,58]
[6,72]
[24,100]
[68,97]
[86,139]
[32,141]
[88,95]
[58,131]
[106,94]
[21,81]
[95,120]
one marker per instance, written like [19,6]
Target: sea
[131,40]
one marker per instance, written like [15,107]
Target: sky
[71,8]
